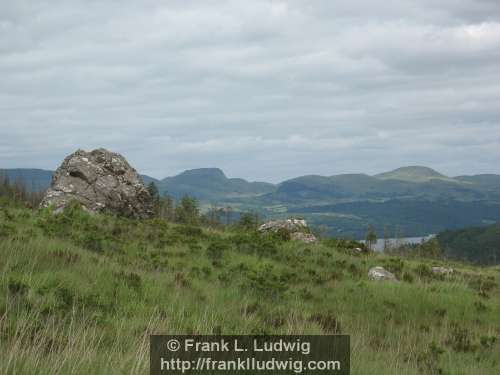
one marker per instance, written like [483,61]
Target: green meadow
[80,294]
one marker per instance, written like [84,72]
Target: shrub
[248,221]
[395,265]
[408,277]
[255,243]
[216,250]
[487,342]
[7,230]
[189,231]
[345,244]
[459,338]
[93,241]
[265,281]
[17,287]
[65,297]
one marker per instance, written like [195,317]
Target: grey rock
[303,237]
[291,225]
[101,181]
[298,229]
[380,273]
[442,270]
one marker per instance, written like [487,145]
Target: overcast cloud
[264,89]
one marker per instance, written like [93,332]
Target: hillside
[406,217]
[81,294]
[211,185]
[478,245]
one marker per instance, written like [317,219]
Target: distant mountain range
[412,200]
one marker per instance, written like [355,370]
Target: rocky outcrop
[297,228]
[101,181]
[380,273]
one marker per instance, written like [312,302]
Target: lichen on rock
[100,181]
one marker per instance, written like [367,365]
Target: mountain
[414,200]
[420,183]
[147,180]
[413,174]
[212,185]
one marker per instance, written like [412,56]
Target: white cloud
[266,89]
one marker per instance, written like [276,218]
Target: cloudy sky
[264,89]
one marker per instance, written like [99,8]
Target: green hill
[478,245]
[212,185]
[413,174]
[80,294]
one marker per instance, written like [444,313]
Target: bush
[255,243]
[266,282]
[7,230]
[17,287]
[459,338]
[189,231]
[345,244]
[217,249]
[248,221]
[408,277]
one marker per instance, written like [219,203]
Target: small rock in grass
[380,273]
[442,270]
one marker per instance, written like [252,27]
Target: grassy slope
[81,294]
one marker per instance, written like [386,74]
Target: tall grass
[81,294]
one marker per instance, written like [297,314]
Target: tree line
[187,211]
[16,192]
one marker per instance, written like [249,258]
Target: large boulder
[101,181]
[297,228]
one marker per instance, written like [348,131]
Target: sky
[263,89]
